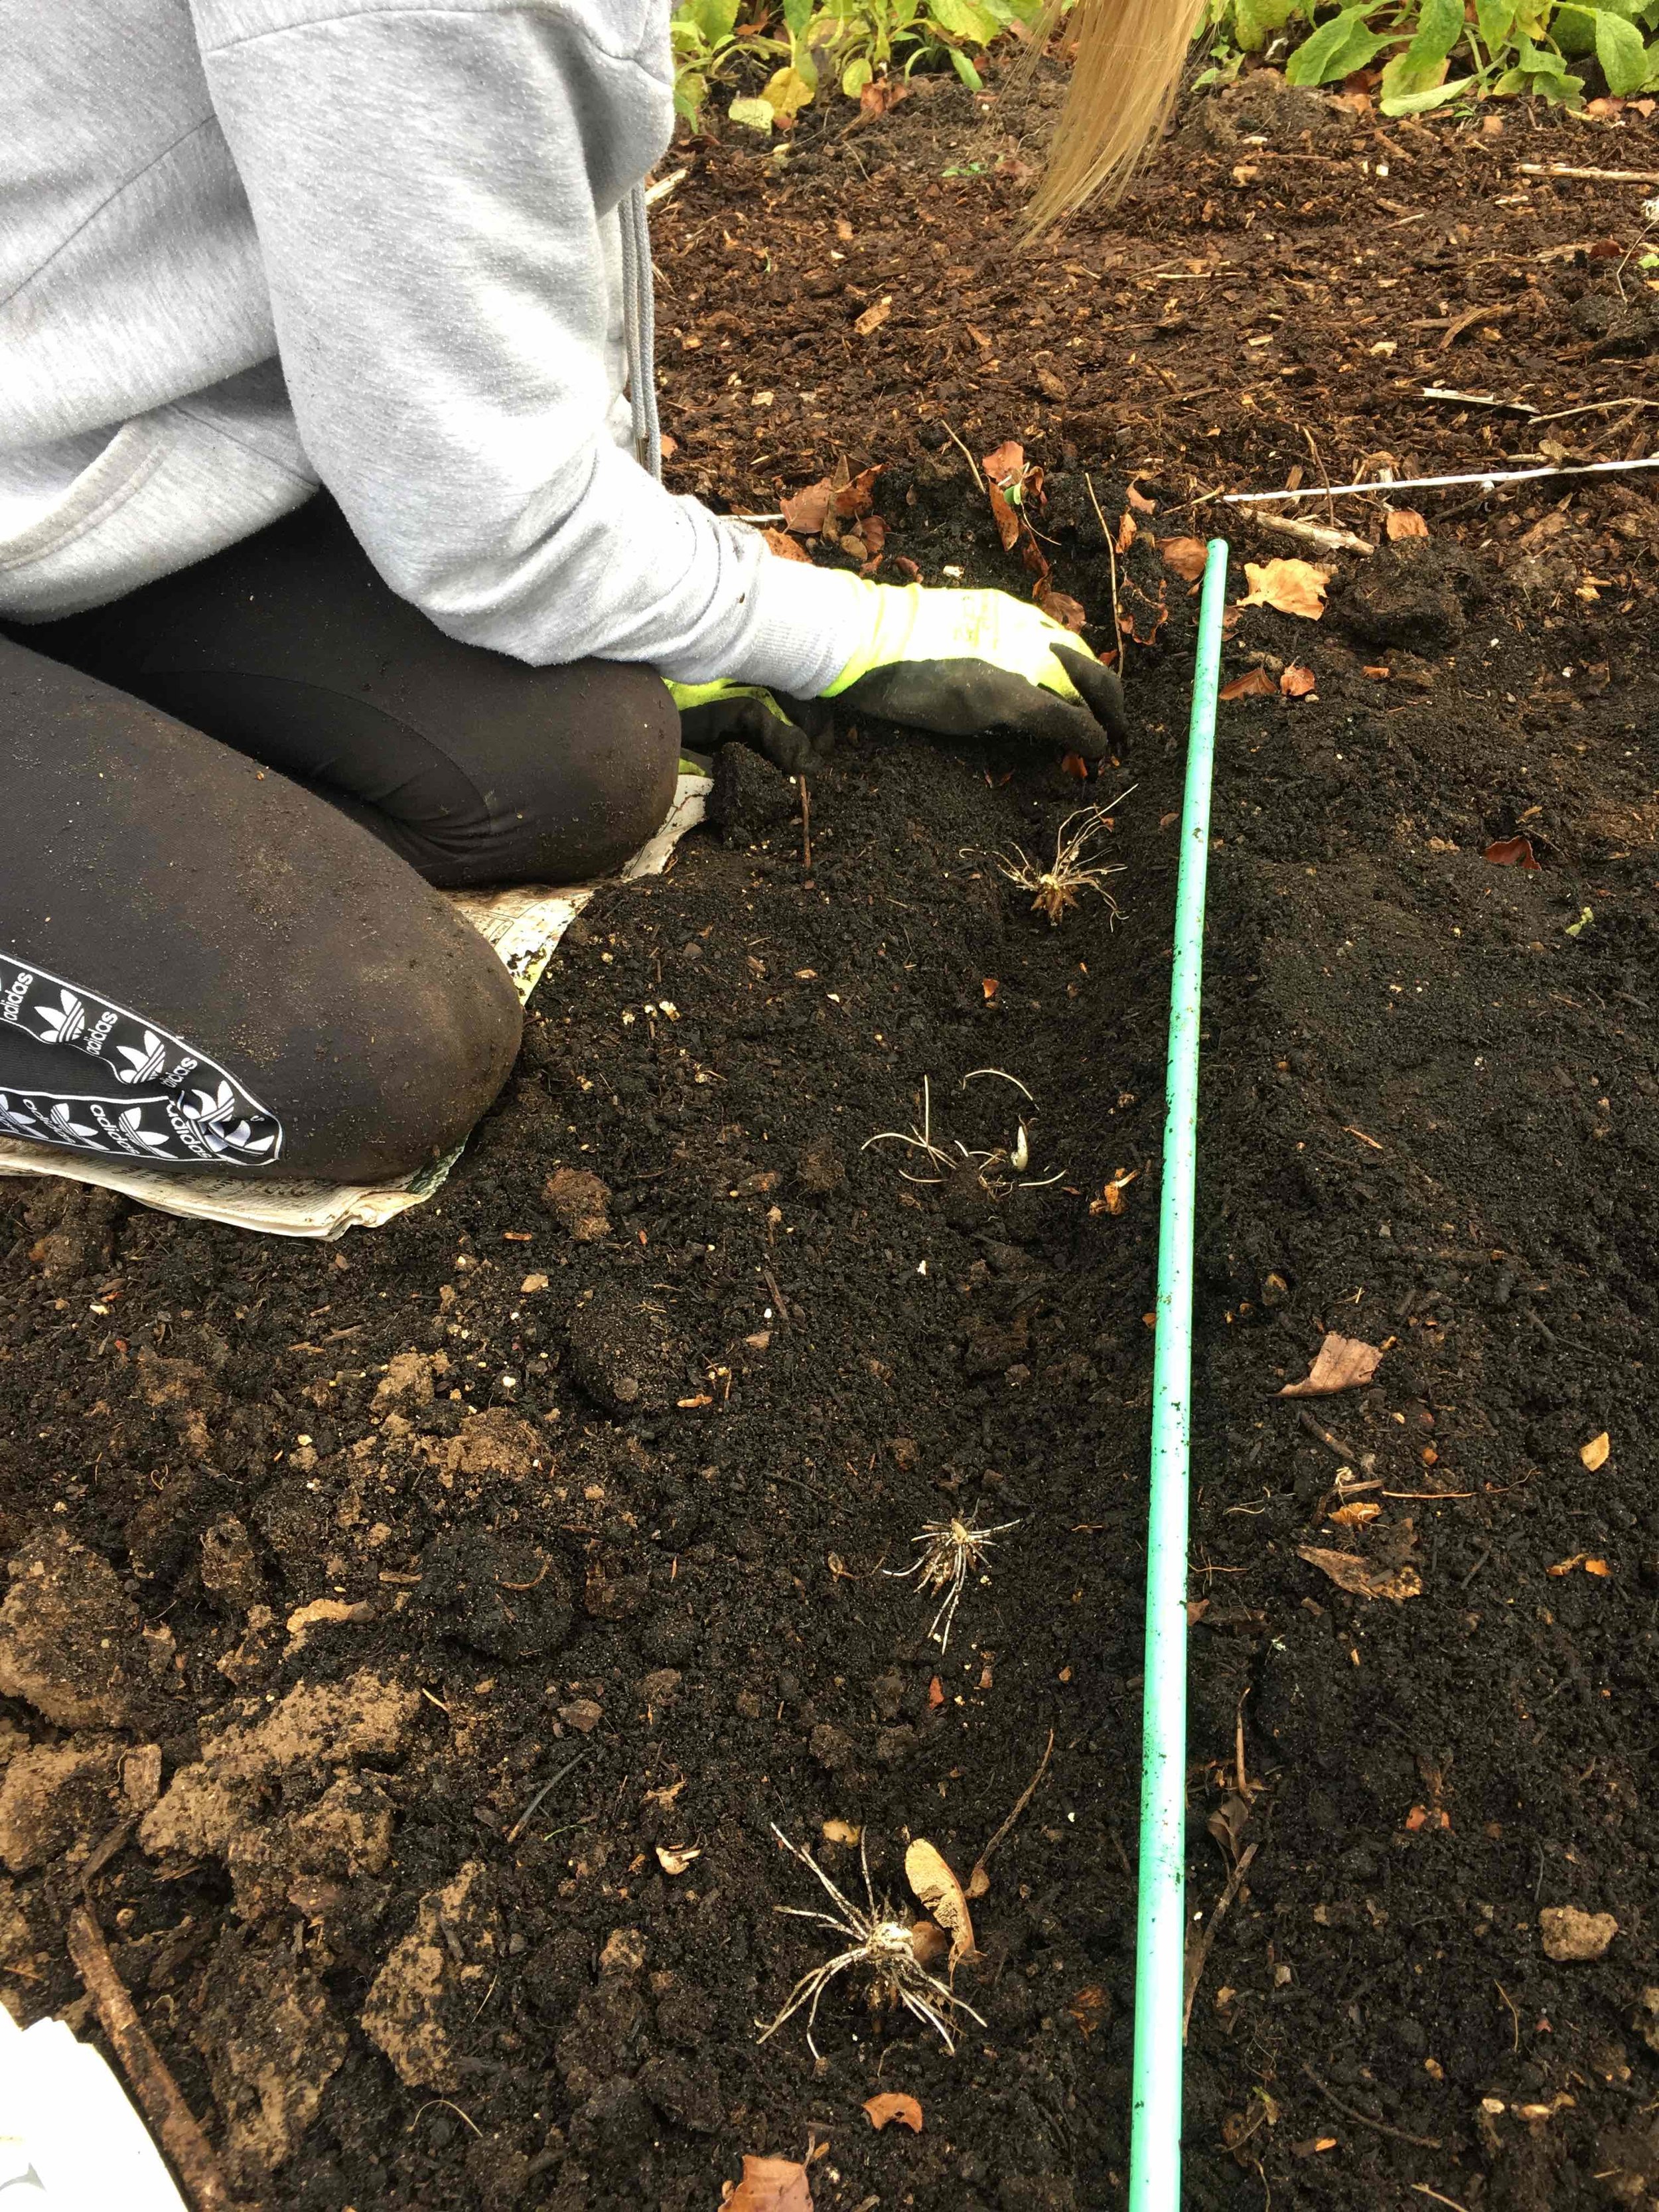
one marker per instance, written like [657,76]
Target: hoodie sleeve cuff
[805,625]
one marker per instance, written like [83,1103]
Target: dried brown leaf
[1074,764]
[1350,1572]
[1254,684]
[1356,1515]
[894,2105]
[930,1944]
[781,542]
[933,1883]
[1138,500]
[1342,1363]
[853,496]
[1294,587]
[1407,522]
[1062,607]
[1595,1453]
[1297,683]
[1511,852]
[770,2184]
[1186,556]
[1127,531]
[804,512]
[841,1831]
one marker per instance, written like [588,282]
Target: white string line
[1486,478]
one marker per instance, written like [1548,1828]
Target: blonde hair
[1129,57]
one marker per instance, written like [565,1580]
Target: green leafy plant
[1435,52]
[852,44]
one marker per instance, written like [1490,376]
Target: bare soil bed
[412,1644]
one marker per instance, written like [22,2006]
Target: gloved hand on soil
[959,662]
[792,733]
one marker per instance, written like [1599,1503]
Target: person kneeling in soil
[335,570]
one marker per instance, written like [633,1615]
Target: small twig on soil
[805,828]
[1318,533]
[1111,556]
[979,1882]
[1423,2189]
[1332,1443]
[158,2094]
[1514,2015]
[1486,478]
[1590,176]
[1200,1950]
[1476,1568]
[1353,2113]
[449,2107]
[963,451]
[514,1831]
[103,1852]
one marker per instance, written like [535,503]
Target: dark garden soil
[470,1577]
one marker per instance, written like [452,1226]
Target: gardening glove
[958,662]
[791,732]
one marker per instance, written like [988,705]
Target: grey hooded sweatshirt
[250,247]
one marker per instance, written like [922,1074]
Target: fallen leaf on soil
[1568,1933]
[1356,1515]
[1294,587]
[1420,1816]
[1074,764]
[1297,683]
[1254,684]
[1062,607]
[805,511]
[1186,556]
[1350,1572]
[1005,479]
[1595,1453]
[841,1831]
[666,1794]
[1138,500]
[931,1946]
[781,542]
[1511,852]
[877,97]
[1407,522]
[854,493]
[988,987]
[1566,1566]
[770,2184]
[1127,531]
[673,1861]
[894,2105]
[1342,1363]
[932,1880]
[935,1693]
[1088,2008]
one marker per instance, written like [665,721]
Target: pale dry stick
[1111,556]
[1486,479]
[963,451]
[1514,2015]
[187,2148]
[1590,176]
[1423,2189]
[974,1072]
[449,2107]
[882,1943]
[805,828]
[1200,1950]
[1318,533]
[979,1882]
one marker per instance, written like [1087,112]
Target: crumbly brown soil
[392,1533]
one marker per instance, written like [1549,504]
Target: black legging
[202,963]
